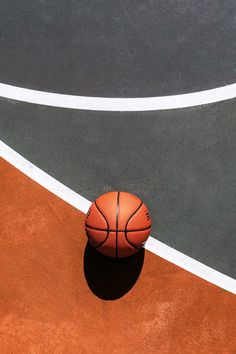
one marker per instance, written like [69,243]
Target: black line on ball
[133,215]
[117,217]
[102,243]
[102,215]
[131,244]
[111,230]
[107,230]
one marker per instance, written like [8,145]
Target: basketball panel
[124,249]
[128,203]
[109,247]
[107,203]
[95,219]
[96,237]
[138,238]
[140,220]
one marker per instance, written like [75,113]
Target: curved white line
[118,104]
[82,204]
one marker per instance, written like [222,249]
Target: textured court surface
[56,294]
[118,49]
[54,289]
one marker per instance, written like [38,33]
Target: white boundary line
[43,178]
[118,104]
[83,205]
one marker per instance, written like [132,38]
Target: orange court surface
[51,303]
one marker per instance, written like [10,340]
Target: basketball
[118,224]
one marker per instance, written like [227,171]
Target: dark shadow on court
[111,278]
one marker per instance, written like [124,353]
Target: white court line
[82,204]
[118,104]
[43,178]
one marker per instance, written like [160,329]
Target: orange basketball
[118,224]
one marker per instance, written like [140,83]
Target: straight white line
[82,204]
[118,104]
[43,178]
[191,265]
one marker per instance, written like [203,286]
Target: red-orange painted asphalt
[46,305]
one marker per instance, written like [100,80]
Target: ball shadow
[111,278]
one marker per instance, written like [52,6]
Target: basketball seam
[131,244]
[102,214]
[117,216]
[102,243]
[111,230]
[133,215]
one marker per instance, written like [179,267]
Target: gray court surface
[182,163]
[118,48]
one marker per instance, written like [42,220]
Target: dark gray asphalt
[118,48]
[182,163]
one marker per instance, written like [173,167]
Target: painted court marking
[118,104]
[82,204]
